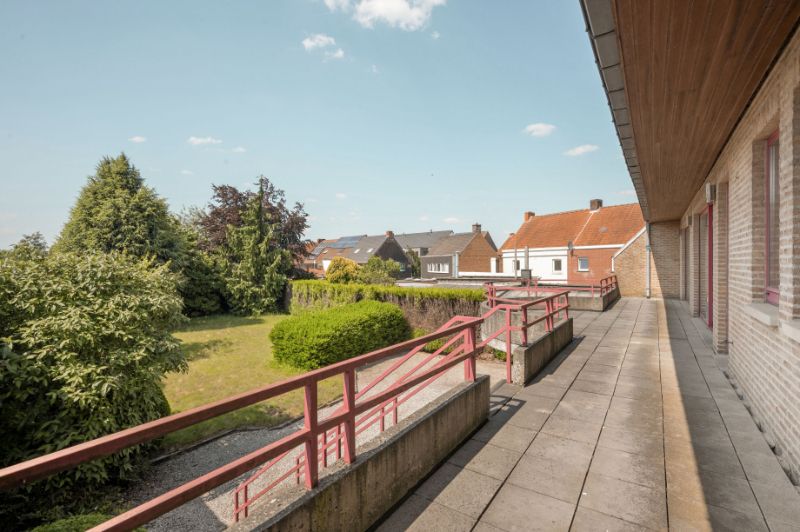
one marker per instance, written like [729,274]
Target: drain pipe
[647,264]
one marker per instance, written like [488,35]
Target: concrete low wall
[354,497]
[526,362]
[582,301]
[498,320]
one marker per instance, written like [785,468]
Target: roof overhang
[679,75]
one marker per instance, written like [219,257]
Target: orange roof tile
[612,225]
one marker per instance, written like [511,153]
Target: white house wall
[540,262]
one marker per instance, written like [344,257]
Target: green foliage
[31,246]
[256,266]
[84,342]
[416,264]
[379,271]
[323,294]
[318,338]
[342,271]
[76,523]
[434,345]
[115,211]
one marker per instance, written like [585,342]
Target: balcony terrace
[634,426]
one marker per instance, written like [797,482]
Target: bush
[342,271]
[84,342]
[324,294]
[379,271]
[76,523]
[318,338]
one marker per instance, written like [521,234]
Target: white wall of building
[539,261]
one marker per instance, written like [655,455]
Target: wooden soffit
[679,74]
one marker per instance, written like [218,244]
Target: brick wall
[764,361]
[629,267]
[476,256]
[665,260]
[599,265]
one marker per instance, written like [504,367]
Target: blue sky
[377,114]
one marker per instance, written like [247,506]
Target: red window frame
[771,293]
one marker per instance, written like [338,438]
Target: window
[556,265]
[356,251]
[516,265]
[324,251]
[773,219]
[583,264]
[369,250]
[438,267]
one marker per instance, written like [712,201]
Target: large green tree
[256,261]
[116,211]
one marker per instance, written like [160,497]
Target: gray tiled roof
[365,248]
[421,240]
[451,244]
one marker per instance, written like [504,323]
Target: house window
[556,265]
[438,267]
[583,264]
[324,251]
[369,250]
[516,265]
[773,219]
[356,251]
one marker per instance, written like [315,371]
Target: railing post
[566,305]
[311,449]
[548,310]
[349,399]
[394,412]
[469,347]
[236,506]
[524,325]
[246,497]
[508,345]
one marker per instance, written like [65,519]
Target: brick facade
[629,267]
[763,359]
[477,256]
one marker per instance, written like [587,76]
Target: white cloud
[451,220]
[580,150]
[539,129]
[424,218]
[138,139]
[318,40]
[239,149]
[435,35]
[375,69]
[202,141]
[628,192]
[333,5]
[338,54]
[187,172]
[409,15]
[341,195]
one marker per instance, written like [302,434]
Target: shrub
[76,523]
[342,271]
[379,271]
[318,338]
[323,294]
[84,342]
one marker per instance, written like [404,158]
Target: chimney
[476,228]
[389,234]
[595,204]
[528,215]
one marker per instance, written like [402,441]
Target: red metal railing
[321,440]
[536,288]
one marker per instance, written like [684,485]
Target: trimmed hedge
[320,337]
[427,308]
[322,294]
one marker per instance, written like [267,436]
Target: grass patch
[229,355]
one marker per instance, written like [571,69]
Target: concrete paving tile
[596,387]
[696,515]
[623,419]
[483,526]
[581,409]
[779,502]
[419,514]
[637,391]
[588,520]
[572,428]
[485,459]
[635,468]
[505,435]
[517,509]
[556,449]
[526,418]
[643,443]
[595,376]
[717,457]
[538,403]
[645,406]
[723,491]
[462,490]
[630,502]
[542,389]
[555,479]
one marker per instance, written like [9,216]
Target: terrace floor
[632,427]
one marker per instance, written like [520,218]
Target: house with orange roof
[573,247]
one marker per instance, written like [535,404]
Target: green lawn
[228,355]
